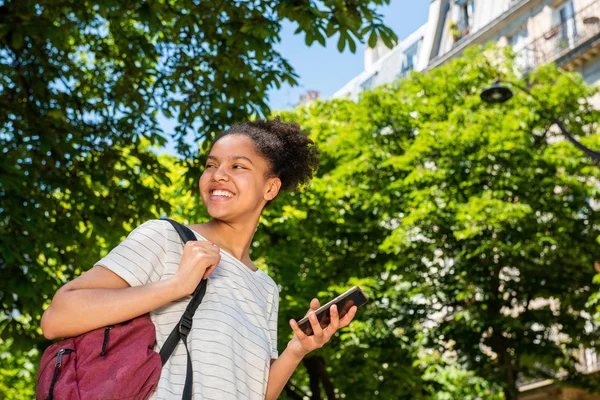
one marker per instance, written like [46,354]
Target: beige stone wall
[580,4]
[540,23]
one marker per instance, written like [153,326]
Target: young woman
[234,336]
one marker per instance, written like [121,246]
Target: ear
[272,188]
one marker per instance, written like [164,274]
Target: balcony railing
[561,39]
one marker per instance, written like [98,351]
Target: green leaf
[373,39]
[352,45]
[321,39]
[341,42]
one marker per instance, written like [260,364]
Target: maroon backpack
[118,361]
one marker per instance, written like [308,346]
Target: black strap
[184,326]
[184,232]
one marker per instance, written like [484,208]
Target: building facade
[566,32]
[383,65]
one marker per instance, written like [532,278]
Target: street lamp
[498,93]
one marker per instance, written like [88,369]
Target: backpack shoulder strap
[182,329]
[184,232]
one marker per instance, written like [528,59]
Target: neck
[233,238]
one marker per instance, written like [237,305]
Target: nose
[220,174]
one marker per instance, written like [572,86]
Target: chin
[219,213]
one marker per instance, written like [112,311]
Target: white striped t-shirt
[234,334]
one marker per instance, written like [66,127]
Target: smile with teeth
[223,193]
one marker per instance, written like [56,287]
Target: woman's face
[235,180]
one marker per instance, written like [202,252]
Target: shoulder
[142,256]
[158,231]
[268,282]
[271,290]
[155,228]
[157,225]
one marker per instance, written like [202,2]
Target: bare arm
[281,371]
[300,345]
[100,297]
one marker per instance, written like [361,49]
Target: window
[410,59]
[466,14]
[407,65]
[369,83]
[564,19]
[410,64]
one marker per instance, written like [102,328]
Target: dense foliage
[471,227]
[83,84]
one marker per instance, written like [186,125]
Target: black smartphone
[344,302]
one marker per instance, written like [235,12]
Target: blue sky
[325,69]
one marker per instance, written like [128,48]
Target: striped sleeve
[140,258]
[273,325]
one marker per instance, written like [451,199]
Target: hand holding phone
[344,302]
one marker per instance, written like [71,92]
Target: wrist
[295,354]
[175,287]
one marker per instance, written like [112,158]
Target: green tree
[82,85]
[471,226]
[445,379]
[17,372]
[325,240]
[497,229]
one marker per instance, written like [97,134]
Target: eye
[209,166]
[238,166]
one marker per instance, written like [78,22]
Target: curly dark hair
[293,157]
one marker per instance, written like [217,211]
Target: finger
[214,250]
[348,317]
[314,323]
[198,248]
[209,246]
[297,331]
[314,306]
[334,325]
[209,271]
[190,245]
[202,243]
[214,263]
[210,251]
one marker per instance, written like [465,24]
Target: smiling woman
[233,340]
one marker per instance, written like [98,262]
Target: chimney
[309,97]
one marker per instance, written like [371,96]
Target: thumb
[314,306]
[209,270]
